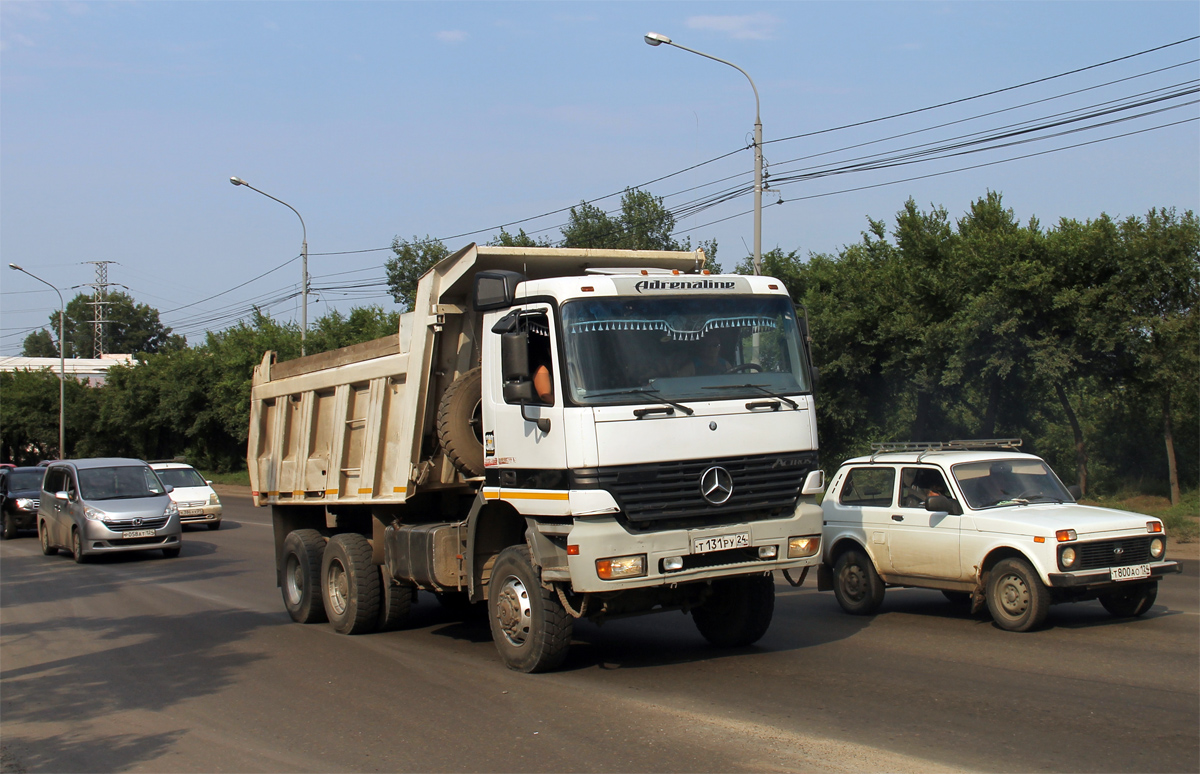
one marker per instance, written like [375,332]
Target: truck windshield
[622,350]
[995,483]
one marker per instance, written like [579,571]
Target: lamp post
[62,362]
[655,39]
[303,264]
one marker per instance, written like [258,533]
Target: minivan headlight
[93,514]
[171,510]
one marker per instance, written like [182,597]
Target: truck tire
[1130,602]
[460,422]
[1016,597]
[531,630]
[739,611]
[350,584]
[856,584]
[395,601]
[302,553]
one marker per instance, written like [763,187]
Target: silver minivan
[103,506]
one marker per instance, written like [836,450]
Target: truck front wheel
[739,611]
[350,584]
[531,630]
[302,552]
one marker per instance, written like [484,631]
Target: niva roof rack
[925,447]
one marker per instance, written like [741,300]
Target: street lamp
[303,265]
[62,362]
[655,39]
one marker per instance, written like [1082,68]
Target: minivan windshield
[180,477]
[994,483]
[119,483]
[622,350]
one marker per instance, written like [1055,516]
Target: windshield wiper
[650,391]
[758,387]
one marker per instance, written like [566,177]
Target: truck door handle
[897,517]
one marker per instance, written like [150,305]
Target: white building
[90,371]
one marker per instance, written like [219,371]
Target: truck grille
[125,524]
[671,490]
[1113,553]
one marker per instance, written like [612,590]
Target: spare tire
[460,423]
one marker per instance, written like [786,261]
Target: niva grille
[1113,553]
[671,490]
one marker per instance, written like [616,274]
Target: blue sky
[121,123]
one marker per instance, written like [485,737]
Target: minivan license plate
[720,543]
[137,533]
[1133,572]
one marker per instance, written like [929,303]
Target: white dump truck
[560,433]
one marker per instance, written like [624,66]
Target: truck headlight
[1067,557]
[1157,547]
[621,567]
[800,547]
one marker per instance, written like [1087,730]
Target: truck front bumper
[1104,577]
[604,538]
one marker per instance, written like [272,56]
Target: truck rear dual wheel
[302,552]
[1132,601]
[460,422]
[1016,597]
[531,629]
[350,584]
[739,611]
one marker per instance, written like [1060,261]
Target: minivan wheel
[77,547]
[44,537]
[10,527]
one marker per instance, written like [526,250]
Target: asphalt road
[141,663]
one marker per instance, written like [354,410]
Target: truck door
[527,457]
[924,543]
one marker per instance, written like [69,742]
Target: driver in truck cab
[707,361]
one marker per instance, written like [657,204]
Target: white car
[984,524]
[198,503]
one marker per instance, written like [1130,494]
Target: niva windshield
[1009,482]
[639,350]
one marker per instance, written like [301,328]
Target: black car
[20,489]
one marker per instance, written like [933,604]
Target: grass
[237,478]
[1181,521]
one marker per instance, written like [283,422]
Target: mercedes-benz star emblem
[716,485]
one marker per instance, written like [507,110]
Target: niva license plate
[1133,572]
[720,543]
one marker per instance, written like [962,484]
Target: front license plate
[720,543]
[1133,572]
[191,511]
[137,533]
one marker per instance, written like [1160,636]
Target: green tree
[520,239]
[412,259]
[643,223]
[40,343]
[130,327]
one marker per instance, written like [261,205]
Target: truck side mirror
[518,382]
[942,503]
[496,289]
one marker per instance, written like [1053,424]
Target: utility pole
[99,301]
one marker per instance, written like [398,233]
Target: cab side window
[868,487]
[919,484]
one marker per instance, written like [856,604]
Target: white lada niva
[986,525]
